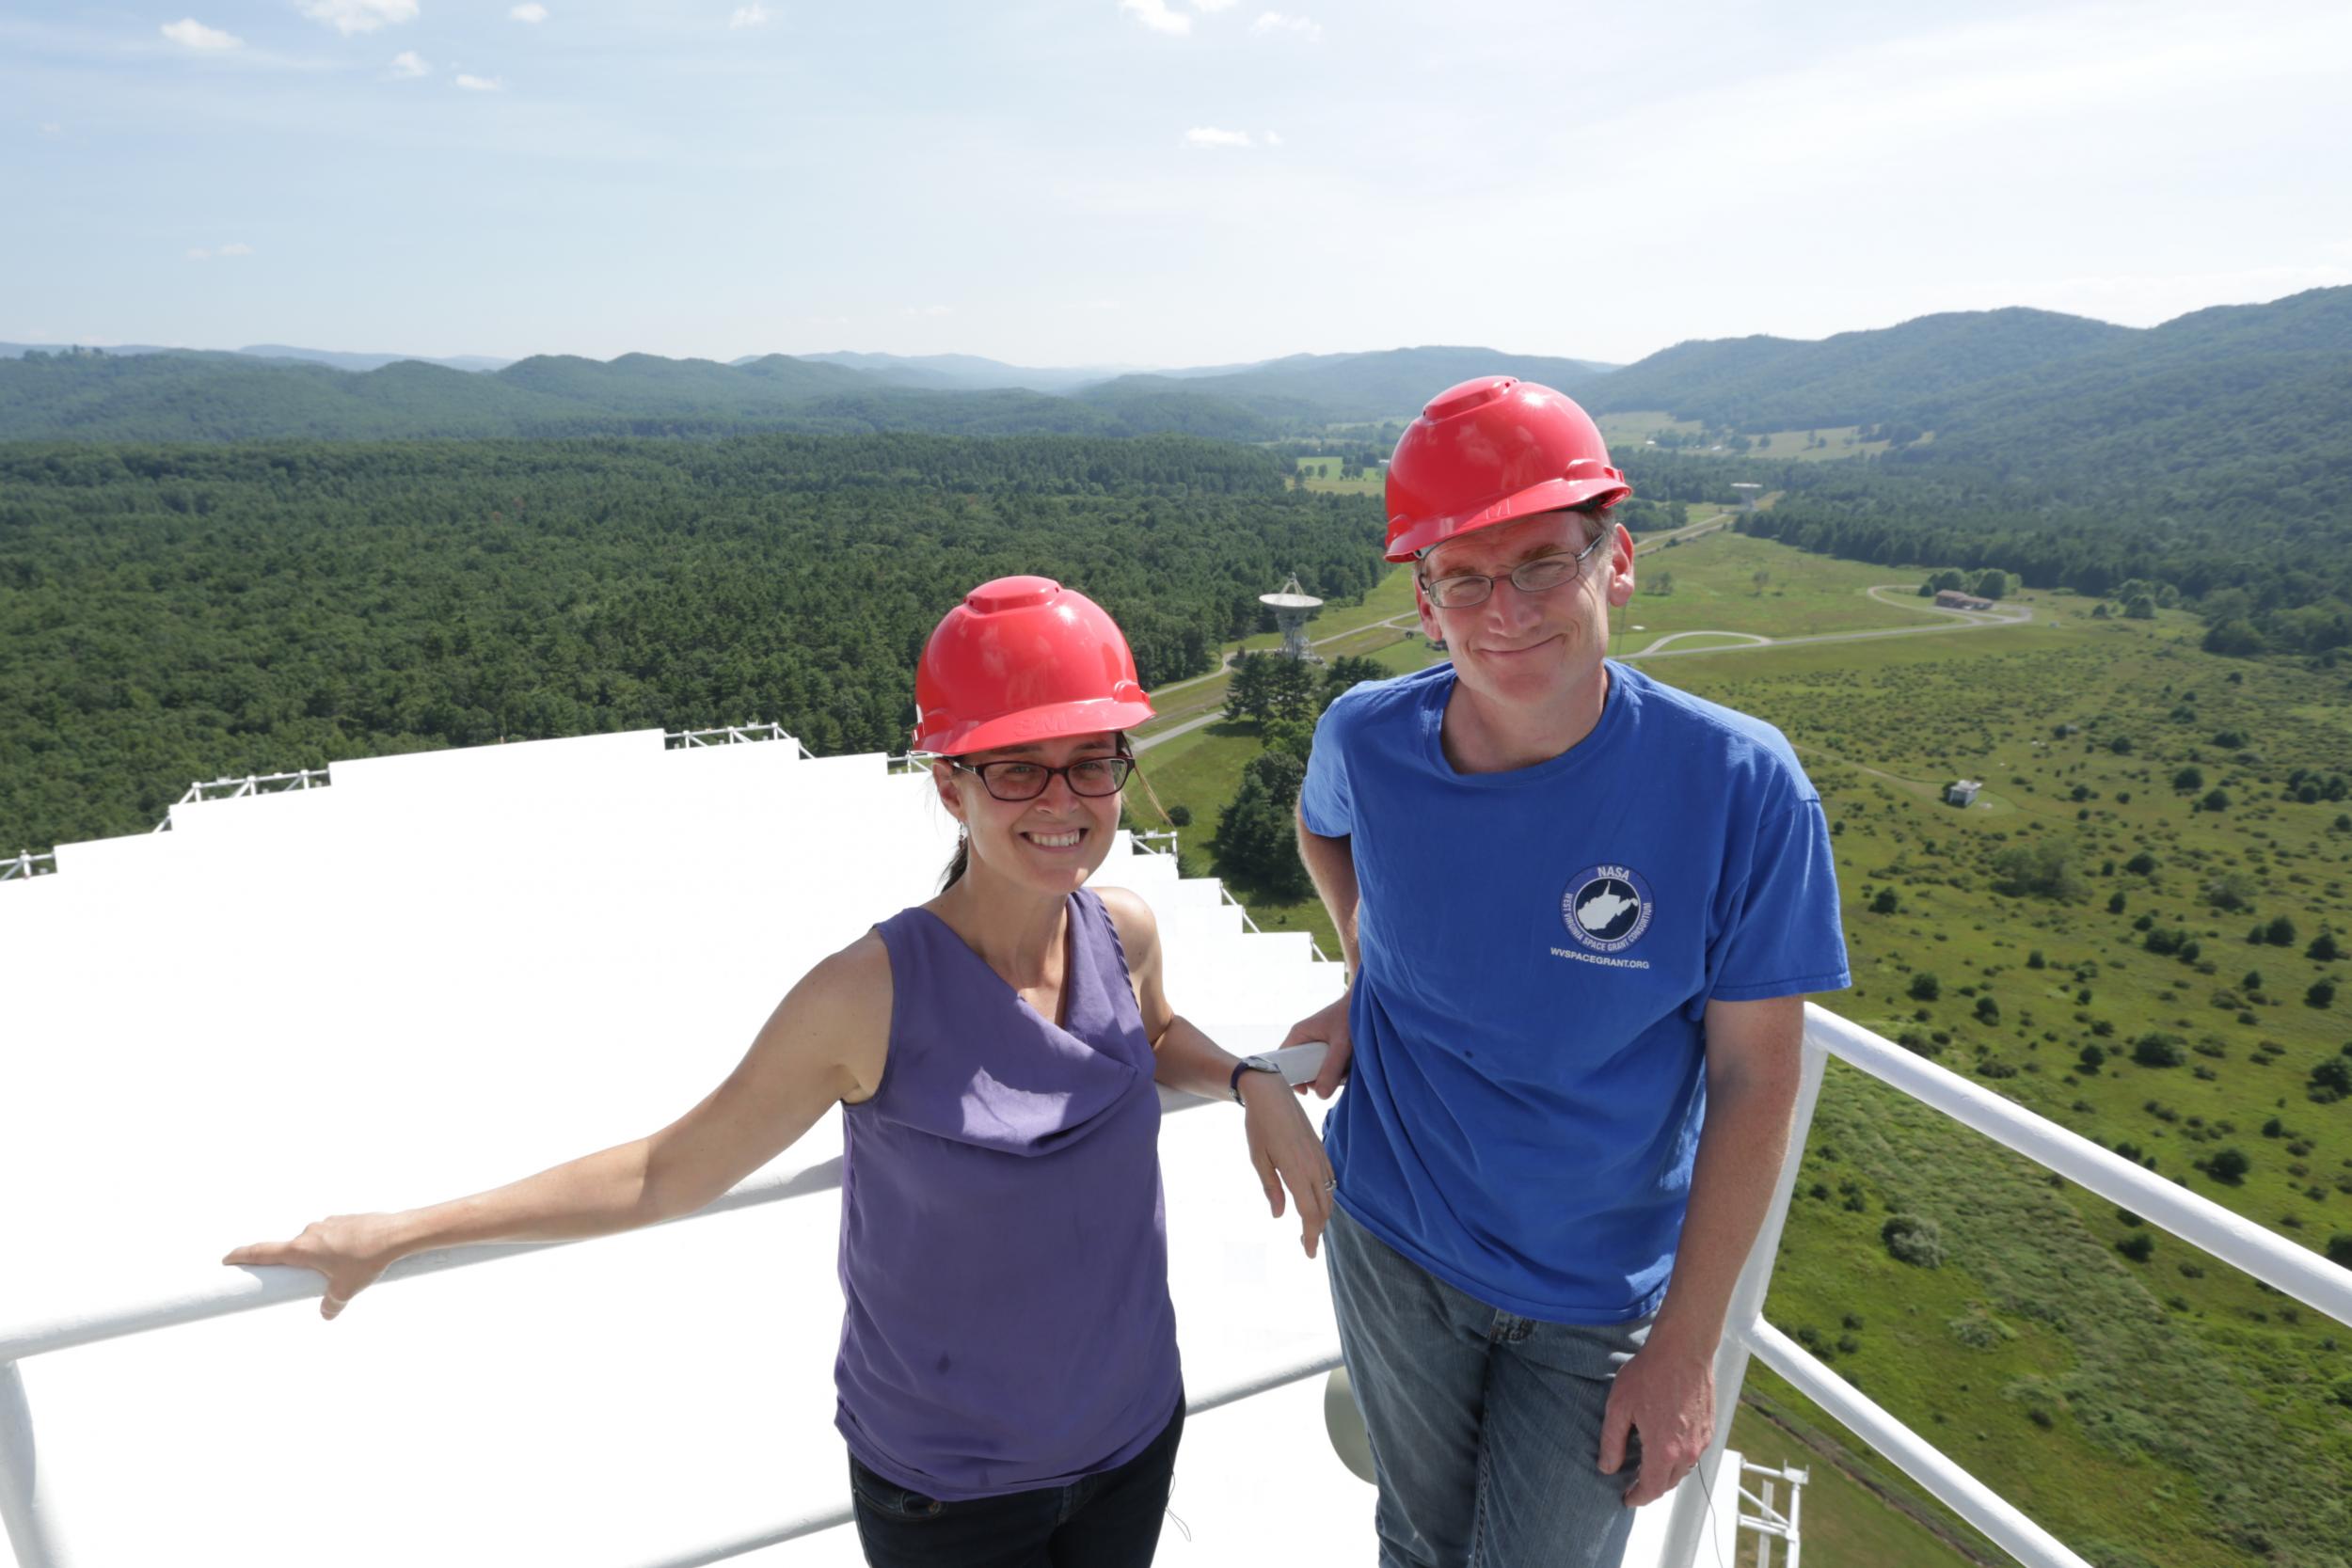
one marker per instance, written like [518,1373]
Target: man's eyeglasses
[1540,576]
[1015,780]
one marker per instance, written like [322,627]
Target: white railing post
[32,1533]
[1689,1524]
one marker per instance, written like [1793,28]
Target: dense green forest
[170,613]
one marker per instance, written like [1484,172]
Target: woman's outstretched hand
[350,1250]
[1287,1153]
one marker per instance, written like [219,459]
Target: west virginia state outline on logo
[1607,908]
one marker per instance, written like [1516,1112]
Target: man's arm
[1331,865]
[1667,1392]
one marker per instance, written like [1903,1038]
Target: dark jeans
[1106,1521]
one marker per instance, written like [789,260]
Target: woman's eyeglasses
[1015,780]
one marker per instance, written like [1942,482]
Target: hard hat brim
[1048,722]
[1552,495]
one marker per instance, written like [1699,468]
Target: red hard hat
[1022,659]
[1492,451]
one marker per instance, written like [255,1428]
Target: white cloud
[360,16]
[236,249]
[1296,26]
[50,130]
[407,66]
[754,15]
[926,311]
[477,84]
[1209,136]
[191,34]
[1215,5]
[200,254]
[1274,139]
[1155,15]
[533,13]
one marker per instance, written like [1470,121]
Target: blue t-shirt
[1538,950]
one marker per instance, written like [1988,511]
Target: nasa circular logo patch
[1607,908]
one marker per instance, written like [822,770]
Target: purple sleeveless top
[1004,1249]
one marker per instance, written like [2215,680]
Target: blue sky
[1149,181]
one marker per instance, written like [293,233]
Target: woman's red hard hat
[1023,659]
[1493,450]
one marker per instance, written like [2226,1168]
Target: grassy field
[2153,1410]
[2161,1409]
[1710,585]
[1824,444]
[1323,474]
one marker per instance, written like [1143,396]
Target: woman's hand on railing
[1285,1151]
[349,1250]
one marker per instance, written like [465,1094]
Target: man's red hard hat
[1492,451]
[1023,659]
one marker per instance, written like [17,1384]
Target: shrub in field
[2139,1246]
[1915,1241]
[2229,1166]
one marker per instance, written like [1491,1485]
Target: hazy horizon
[1151,183]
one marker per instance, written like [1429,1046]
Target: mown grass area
[1823,444]
[2162,1410]
[1711,584]
[1323,474]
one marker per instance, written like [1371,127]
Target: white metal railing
[1149,842]
[734,734]
[252,784]
[2276,1262]
[1769,1522]
[26,863]
[25,1507]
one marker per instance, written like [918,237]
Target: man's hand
[1329,1026]
[1667,1395]
[1285,1152]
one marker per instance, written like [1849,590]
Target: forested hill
[226,397]
[1892,374]
[1308,390]
[170,613]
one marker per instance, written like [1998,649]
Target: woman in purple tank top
[1008,1379]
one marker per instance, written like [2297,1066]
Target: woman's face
[1051,843]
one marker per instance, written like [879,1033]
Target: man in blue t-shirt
[1580,912]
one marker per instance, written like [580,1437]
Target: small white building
[1962,792]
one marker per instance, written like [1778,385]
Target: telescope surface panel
[339,999]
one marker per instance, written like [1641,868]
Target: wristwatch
[1250,1064]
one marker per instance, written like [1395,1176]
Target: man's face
[1528,649]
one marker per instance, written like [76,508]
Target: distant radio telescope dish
[1291,608]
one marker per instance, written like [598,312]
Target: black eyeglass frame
[1123,761]
[1576,558]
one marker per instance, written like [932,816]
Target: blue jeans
[1485,1425]
[1106,1521]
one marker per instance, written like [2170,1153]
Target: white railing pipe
[813,1522]
[1974,1501]
[24,1512]
[214,1291]
[2280,1263]
[1691,1521]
